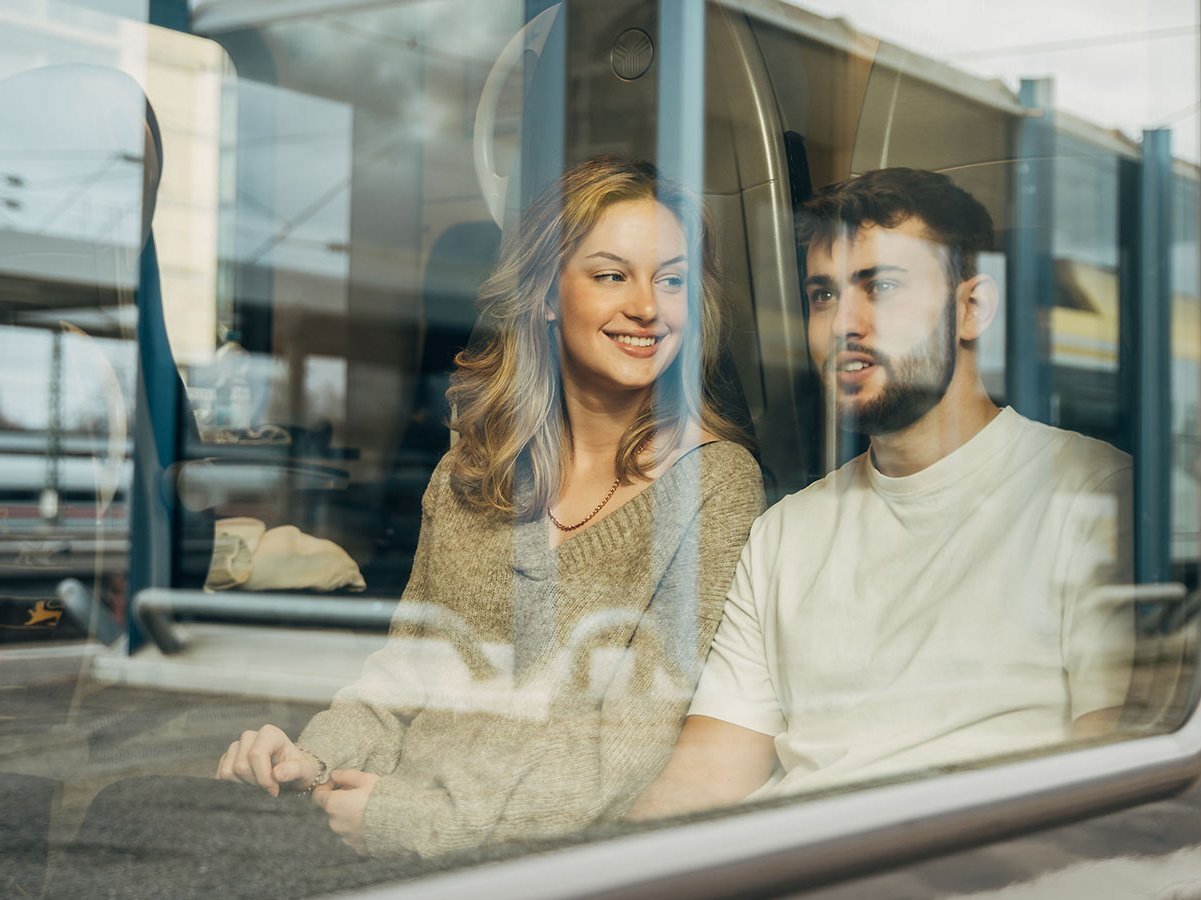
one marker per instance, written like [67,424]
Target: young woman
[586,522]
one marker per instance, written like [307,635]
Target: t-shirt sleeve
[1098,628]
[736,685]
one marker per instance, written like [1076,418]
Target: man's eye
[881,287]
[820,298]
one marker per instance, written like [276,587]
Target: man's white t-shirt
[879,625]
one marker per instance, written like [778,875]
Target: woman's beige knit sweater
[526,691]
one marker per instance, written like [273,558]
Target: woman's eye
[673,282]
[609,277]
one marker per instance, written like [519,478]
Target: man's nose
[852,316]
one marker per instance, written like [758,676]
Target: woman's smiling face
[622,301]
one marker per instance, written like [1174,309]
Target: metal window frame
[766,851]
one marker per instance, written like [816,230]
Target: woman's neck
[596,426]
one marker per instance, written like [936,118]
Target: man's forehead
[870,244]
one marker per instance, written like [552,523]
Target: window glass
[244,530]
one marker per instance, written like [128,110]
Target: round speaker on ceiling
[632,54]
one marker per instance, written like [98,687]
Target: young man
[936,599]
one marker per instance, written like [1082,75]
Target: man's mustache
[875,356]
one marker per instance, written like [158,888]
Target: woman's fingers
[321,795]
[267,748]
[351,778]
[225,765]
[253,757]
[344,800]
[288,771]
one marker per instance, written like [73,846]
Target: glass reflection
[969,593]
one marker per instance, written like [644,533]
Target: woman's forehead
[637,228]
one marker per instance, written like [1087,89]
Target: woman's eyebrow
[605,254]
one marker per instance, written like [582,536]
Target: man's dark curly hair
[887,197]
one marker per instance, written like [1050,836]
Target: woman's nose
[642,303]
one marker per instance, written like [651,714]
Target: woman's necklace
[642,445]
[588,518]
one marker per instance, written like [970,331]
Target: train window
[646,446]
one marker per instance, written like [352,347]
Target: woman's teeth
[633,341]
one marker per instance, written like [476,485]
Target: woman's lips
[638,346]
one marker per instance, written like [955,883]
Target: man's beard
[915,384]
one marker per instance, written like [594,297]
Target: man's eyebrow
[872,271]
[818,281]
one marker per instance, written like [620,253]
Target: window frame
[807,843]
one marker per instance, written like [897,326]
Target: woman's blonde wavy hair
[506,394]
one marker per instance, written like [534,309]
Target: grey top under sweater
[527,691]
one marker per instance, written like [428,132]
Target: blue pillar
[154,505]
[680,155]
[1031,278]
[1152,363]
[681,137]
[544,114]
[169,14]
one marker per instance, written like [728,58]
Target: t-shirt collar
[959,463]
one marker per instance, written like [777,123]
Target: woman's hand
[267,758]
[344,798]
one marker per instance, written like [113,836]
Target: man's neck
[944,429]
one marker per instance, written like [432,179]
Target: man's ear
[978,300]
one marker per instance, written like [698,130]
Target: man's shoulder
[1071,455]
[805,505]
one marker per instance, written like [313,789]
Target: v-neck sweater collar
[537,559]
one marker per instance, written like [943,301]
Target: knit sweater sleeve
[593,755]
[362,729]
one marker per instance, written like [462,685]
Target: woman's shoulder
[440,487]
[723,461]
[450,493]
[441,477]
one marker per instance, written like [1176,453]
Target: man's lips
[852,368]
[853,361]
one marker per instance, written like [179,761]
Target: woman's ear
[979,299]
